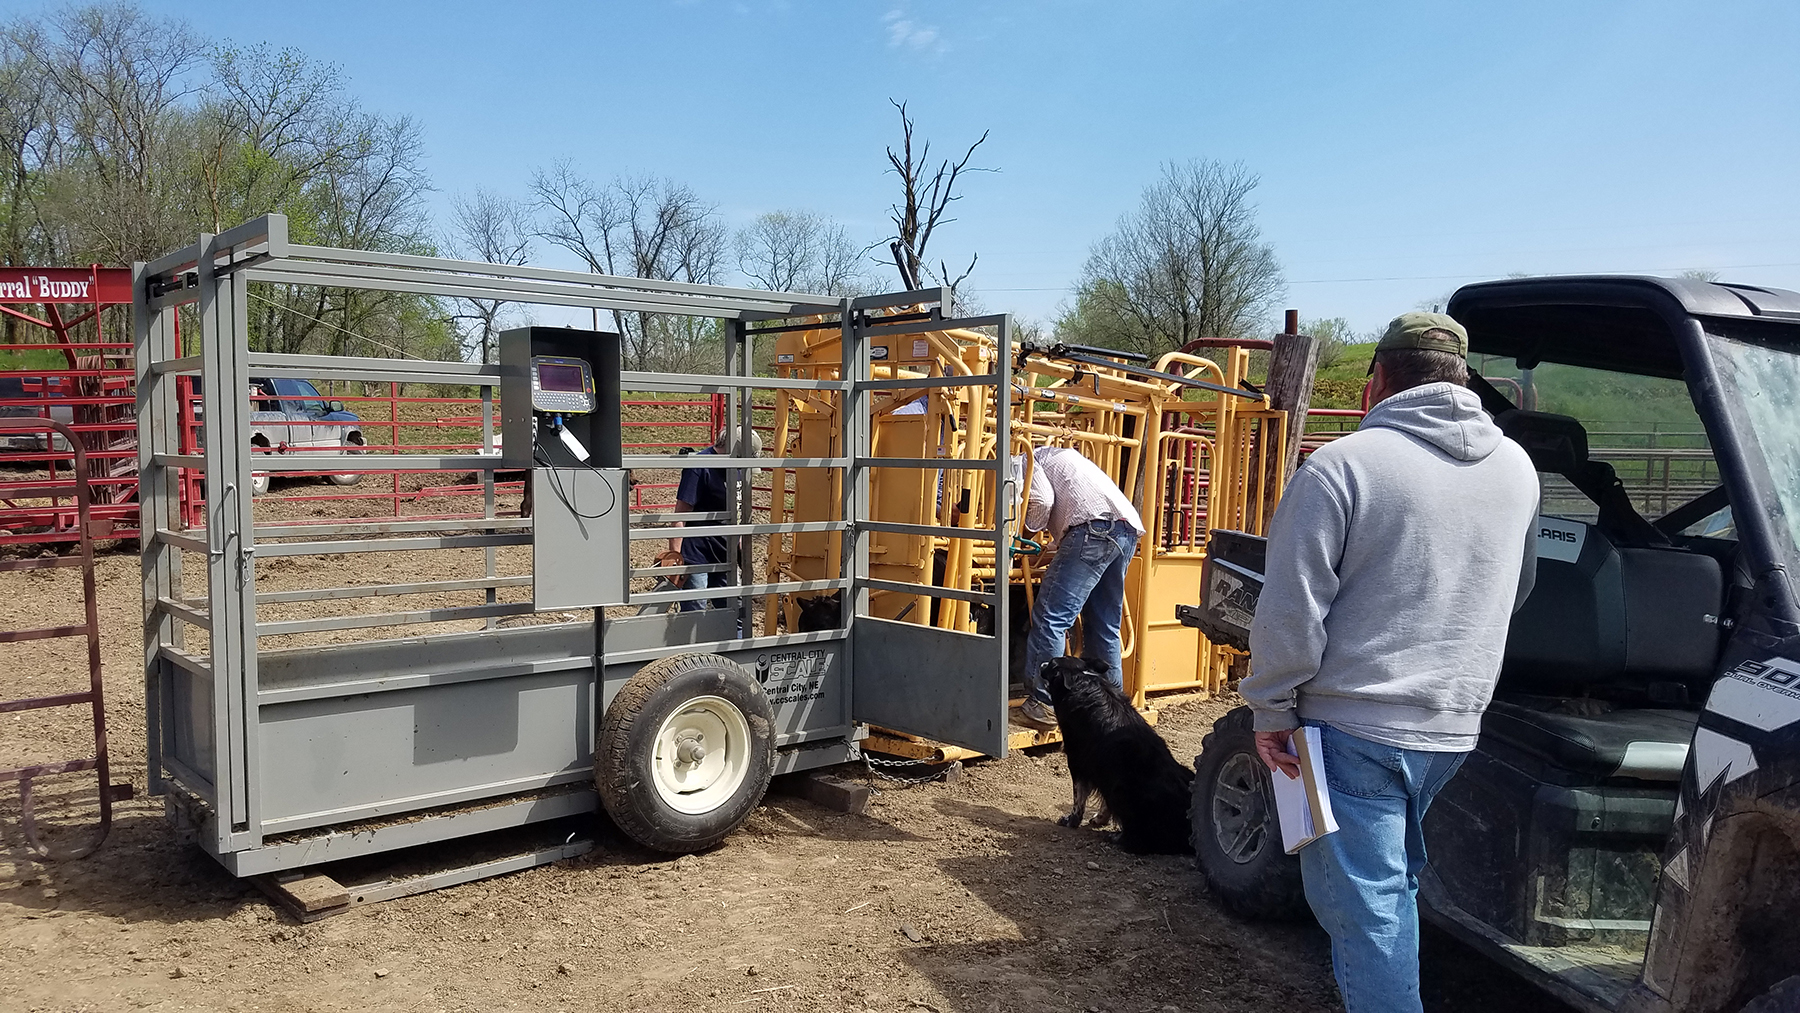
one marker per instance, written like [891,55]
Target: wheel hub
[1241,821]
[702,755]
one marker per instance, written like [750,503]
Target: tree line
[123,136]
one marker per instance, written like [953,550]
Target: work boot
[1037,714]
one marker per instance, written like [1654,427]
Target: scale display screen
[560,378]
[561,385]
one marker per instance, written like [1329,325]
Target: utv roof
[1614,322]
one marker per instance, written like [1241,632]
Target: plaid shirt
[1068,489]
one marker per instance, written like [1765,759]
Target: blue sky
[1404,148]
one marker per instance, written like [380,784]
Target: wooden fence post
[1293,365]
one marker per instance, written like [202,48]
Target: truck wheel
[259,480]
[1783,998]
[354,440]
[686,752]
[1237,842]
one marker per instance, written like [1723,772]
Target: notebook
[1302,804]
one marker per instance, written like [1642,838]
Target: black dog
[821,612]
[1114,751]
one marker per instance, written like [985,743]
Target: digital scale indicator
[561,385]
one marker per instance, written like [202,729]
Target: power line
[1440,277]
[403,353]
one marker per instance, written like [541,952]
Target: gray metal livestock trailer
[281,758]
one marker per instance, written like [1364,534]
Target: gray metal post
[159,431]
[744,399]
[488,501]
[853,557]
[1005,492]
[224,484]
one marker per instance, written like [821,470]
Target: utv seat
[1647,744]
[1607,662]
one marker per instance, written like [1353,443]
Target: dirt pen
[960,898]
[945,896]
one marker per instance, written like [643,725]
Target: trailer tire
[1237,843]
[685,752]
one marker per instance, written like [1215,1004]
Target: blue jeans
[1085,581]
[700,581]
[695,582]
[1363,881]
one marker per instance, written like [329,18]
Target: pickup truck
[288,414]
[23,397]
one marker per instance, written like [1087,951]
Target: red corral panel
[108,286]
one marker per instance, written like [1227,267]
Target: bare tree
[488,227]
[121,78]
[798,251]
[30,135]
[123,137]
[923,201]
[272,124]
[640,227]
[1188,263]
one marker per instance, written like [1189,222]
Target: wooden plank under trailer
[1019,736]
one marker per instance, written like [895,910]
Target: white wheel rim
[349,477]
[702,755]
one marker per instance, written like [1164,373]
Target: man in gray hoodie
[1395,562]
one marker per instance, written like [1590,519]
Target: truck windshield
[1762,381]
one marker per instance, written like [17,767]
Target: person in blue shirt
[707,490]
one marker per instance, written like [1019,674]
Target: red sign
[104,285]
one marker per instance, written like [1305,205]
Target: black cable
[562,494]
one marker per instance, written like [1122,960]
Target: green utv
[1627,833]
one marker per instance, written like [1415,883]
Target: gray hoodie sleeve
[1300,582]
[1527,568]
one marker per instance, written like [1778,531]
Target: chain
[873,766]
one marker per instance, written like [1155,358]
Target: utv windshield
[1644,427]
[1761,381]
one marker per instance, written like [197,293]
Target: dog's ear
[1094,665]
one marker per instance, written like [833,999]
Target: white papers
[1302,804]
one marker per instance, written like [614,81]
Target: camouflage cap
[1435,331]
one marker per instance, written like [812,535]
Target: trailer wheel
[1237,842]
[685,753]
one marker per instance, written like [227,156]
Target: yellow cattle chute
[1188,465]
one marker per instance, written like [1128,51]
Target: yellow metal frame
[1188,465]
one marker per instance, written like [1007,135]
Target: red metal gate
[90,392]
[93,697]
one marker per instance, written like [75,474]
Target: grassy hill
[1612,403]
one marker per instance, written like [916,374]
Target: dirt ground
[959,897]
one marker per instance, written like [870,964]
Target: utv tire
[1783,998]
[1237,842]
[685,752]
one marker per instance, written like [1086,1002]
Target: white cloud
[903,32]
